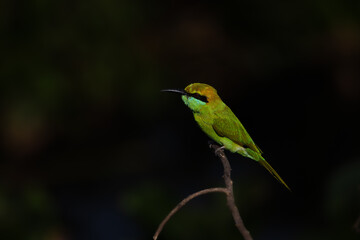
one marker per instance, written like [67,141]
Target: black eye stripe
[200,97]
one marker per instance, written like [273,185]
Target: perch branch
[228,190]
[230,196]
[182,203]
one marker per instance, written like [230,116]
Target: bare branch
[230,197]
[228,190]
[183,202]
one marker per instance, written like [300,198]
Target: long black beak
[182,92]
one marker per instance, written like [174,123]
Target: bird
[217,120]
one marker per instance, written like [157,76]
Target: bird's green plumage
[220,123]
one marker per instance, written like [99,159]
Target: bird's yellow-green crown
[204,90]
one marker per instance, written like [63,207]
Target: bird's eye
[200,97]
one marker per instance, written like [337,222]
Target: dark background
[91,149]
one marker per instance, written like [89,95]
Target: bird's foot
[216,146]
[219,150]
[211,143]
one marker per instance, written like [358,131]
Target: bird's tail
[257,157]
[268,167]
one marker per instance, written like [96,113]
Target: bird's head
[197,95]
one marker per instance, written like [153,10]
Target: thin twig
[228,190]
[239,223]
[183,202]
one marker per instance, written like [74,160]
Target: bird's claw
[211,143]
[219,149]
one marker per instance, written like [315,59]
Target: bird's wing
[226,124]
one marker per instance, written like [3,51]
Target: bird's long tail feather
[257,157]
[265,164]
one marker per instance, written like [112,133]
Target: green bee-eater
[220,123]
